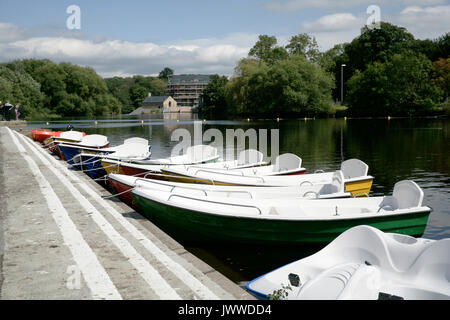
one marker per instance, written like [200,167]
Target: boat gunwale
[175,173]
[375,215]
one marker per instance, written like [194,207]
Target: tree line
[131,91]
[385,71]
[47,90]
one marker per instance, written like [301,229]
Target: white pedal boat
[365,263]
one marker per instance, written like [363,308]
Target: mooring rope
[119,194]
[98,168]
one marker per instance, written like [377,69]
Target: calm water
[396,149]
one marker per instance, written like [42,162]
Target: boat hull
[111,167]
[296,173]
[69,152]
[92,166]
[123,190]
[42,135]
[194,226]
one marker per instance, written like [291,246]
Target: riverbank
[63,238]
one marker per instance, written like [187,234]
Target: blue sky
[159,21]
[196,36]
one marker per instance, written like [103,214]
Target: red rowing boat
[42,135]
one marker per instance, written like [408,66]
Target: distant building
[186,89]
[156,104]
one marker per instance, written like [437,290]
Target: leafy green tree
[17,86]
[266,50]
[137,95]
[377,44]
[305,45]
[121,89]
[444,45]
[165,74]
[215,96]
[290,86]
[400,86]
[441,75]
[238,87]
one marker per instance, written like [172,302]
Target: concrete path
[61,239]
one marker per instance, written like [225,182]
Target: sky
[125,38]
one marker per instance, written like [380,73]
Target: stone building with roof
[157,104]
[187,88]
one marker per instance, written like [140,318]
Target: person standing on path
[16,109]
[7,110]
[1,111]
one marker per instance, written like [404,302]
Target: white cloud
[334,28]
[424,22]
[297,5]
[333,22]
[124,58]
[10,32]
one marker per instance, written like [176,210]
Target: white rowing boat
[355,174]
[122,183]
[285,164]
[192,215]
[194,155]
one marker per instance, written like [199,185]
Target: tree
[266,50]
[49,90]
[377,44]
[444,45]
[291,86]
[137,95]
[400,86]
[305,45]
[329,58]
[215,95]
[441,75]
[165,74]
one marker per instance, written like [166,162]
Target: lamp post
[342,83]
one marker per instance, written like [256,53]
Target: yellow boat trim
[112,167]
[359,188]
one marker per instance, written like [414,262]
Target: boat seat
[337,184]
[287,161]
[406,194]
[249,156]
[199,152]
[136,140]
[353,168]
[94,140]
[73,135]
[132,150]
